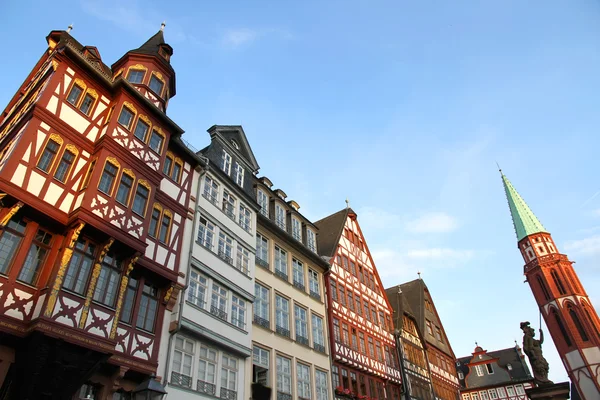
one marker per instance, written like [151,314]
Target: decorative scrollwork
[57,138]
[113,161]
[130,106]
[72,148]
[93,282]
[13,210]
[146,119]
[93,93]
[80,82]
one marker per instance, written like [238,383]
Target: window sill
[216,318]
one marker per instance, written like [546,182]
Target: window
[345,382]
[156,85]
[282,315]
[461,375]
[130,293]
[429,327]
[35,256]
[361,341]
[108,281]
[284,375]
[261,360]
[183,361]
[88,175]
[74,95]
[321,385]
[263,201]
[239,174]
[561,326]
[489,368]
[148,308]
[374,314]
[350,300]
[358,305]
[229,370]
[176,172]
[371,347]
[280,216]
[80,266]
[479,370]
[168,164]
[578,324]
[301,319]
[281,267]
[64,166]
[317,333]
[156,141]
[510,390]
[543,287]
[438,334]
[124,189]
[262,248]
[311,240]
[336,330]
[207,369]
[245,218]
[342,298]
[352,268]
[206,233]
[501,392]
[335,376]
[141,130]
[136,75]
[108,178]
[87,103]
[366,307]
[47,159]
[243,260]
[165,227]
[218,301]
[474,396]
[493,394]
[154,220]
[140,200]
[197,289]
[334,295]
[211,190]
[298,272]
[238,312]
[303,381]
[378,351]
[226,248]
[296,229]
[313,283]
[557,282]
[228,206]
[126,117]
[261,305]
[226,162]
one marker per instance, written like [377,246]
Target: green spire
[524,221]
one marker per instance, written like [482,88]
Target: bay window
[35,257]
[80,266]
[108,281]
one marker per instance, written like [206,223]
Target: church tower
[567,310]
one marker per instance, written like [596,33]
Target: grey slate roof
[330,230]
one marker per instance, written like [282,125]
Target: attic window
[235,145]
[163,53]
[490,370]
[509,367]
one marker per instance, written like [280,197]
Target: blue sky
[401,107]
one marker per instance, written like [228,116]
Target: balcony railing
[244,224]
[284,396]
[204,242]
[281,274]
[280,222]
[302,340]
[264,211]
[297,234]
[299,285]
[228,394]
[262,322]
[315,295]
[217,312]
[181,380]
[225,257]
[242,268]
[260,262]
[210,197]
[282,331]
[228,210]
[319,347]
[205,387]
[240,323]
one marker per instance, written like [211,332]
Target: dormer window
[136,75]
[489,368]
[296,229]
[311,240]
[239,174]
[163,52]
[263,201]
[280,216]
[509,367]
[156,85]
[226,162]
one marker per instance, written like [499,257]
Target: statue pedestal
[555,391]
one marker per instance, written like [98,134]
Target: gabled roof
[330,231]
[400,306]
[519,371]
[236,134]
[524,221]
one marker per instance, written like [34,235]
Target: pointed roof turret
[524,221]
[155,46]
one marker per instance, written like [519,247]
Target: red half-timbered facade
[95,184]
[363,348]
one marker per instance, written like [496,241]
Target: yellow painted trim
[169,214]
[119,72]
[57,138]
[161,133]
[88,174]
[158,207]
[115,163]
[130,106]
[92,93]
[72,149]
[81,84]
[144,183]
[129,172]
[146,120]
[138,67]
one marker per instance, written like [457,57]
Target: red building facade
[363,349]
[567,310]
[95,185]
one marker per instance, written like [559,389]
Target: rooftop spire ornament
[69,28]
[162,26]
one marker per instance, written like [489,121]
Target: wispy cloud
[587,246]
[447,254]
[238,37]
[436,222]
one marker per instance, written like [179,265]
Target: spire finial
[162,26]
[347,203]
[476,344]
[499,169]
[69,28]
[419,273]
[516,344]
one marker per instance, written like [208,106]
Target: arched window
[557,282]
[543,287]
[571,279]
[578,324]
[561,326]
[592,321]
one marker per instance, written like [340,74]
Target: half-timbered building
[494,375]
[363,348]
[411,349]
[95,184]
[289,339]
[210,351]
[439,351]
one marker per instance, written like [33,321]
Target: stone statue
[533,350]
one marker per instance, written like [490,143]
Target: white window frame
[262,297]
[229,372]
[262,252]
[296,229]
[206,232]
[280,216]
[245,217]
[321,384]
[184,354]
[311,240]
[318,335]
[228,205]
[284,374]
[282,314]
[261,356]
[243,259]
[211,190]
[226,162]
[313,282]
[298,271]
[510,391]
[208,362]
[239,176]
[238,311]
[263,201]
[474,396]
[281,260]
[197,289]
[479,370]
[301,321]
[219,297]
[520,389]
[303,381]
[488,368]
[483,395]
[493,394]
[501,392]
[225,246]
